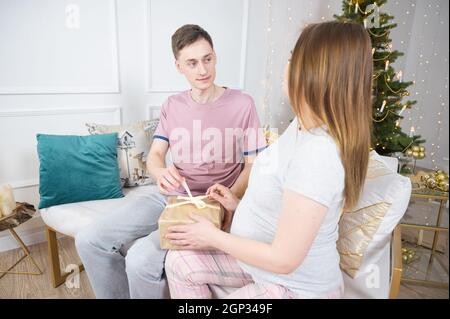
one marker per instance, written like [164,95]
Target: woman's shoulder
[319,147]
[317,139]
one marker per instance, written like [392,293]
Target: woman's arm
[240,185]
[227,199]
[299,224]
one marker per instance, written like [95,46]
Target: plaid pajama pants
[190,273]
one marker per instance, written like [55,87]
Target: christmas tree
[389,89]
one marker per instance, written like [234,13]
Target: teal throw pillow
[77,168]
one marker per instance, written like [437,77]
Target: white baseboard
[29,237]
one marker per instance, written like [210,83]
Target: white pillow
[367,229]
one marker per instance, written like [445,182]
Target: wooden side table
[442,197]
[21,214]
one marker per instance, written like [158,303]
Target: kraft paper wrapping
[180,216]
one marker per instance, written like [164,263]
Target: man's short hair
[186,35]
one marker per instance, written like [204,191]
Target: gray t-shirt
[307,163]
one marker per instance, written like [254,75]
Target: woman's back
[307,163]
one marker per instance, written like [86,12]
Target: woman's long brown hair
[331,74]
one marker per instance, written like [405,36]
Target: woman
[282,243]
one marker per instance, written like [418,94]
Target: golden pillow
[357,228]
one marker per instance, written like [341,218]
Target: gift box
[177,212]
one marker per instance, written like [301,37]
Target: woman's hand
[224,196]
[227,199]
[193,236]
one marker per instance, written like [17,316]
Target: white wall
[115,66]
[65,63]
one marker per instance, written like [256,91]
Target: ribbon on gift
[195,200]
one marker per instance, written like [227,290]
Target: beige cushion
[358,228]
[133,145]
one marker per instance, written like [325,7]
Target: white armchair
[384,251]
[69,219]
[380,272]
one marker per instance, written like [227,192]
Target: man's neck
[204,96]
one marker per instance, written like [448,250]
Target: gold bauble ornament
[431,183]
[415,154]
[443,186]
[421,155]
[421,149]
[408,255]
[440,177]
[409,152]
[415,148]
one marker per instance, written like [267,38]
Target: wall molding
[36,234]
[117,110]
[114,109]
[153,111]
[31,236]
[115,88]
[28,183]
[148,67]
[244,43]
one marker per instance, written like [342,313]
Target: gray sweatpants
[121,252]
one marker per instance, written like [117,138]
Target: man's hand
[169,179]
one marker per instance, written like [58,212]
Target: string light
[399,76]
[287,45]
[428,56]
[402,110]
[425,93]
[383,106]
[269,63]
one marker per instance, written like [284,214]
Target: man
[213,134]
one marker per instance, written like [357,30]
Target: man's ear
[178,66]
[215,57]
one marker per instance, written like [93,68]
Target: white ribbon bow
[195,200]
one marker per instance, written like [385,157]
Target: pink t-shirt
[208,141]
